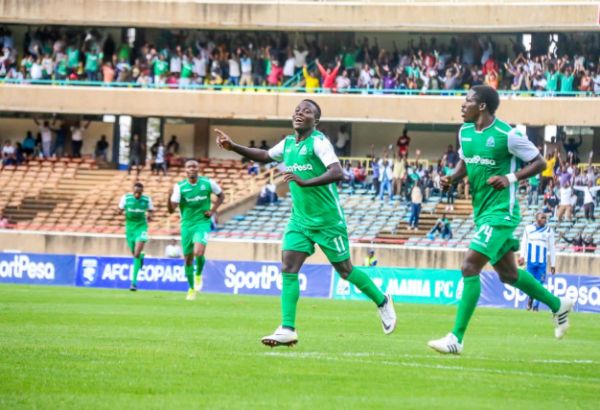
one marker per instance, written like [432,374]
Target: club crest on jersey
[490,143]
[302,150]
[202,188]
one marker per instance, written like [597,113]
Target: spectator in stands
[571,147]
[565,206]
[4,222]
[442,227]
[264,145]
[173,250]
[46,133]
[416,201]
[28,145]
[275,77]
[548,173]
[77,138]
[328,76]
[101,150]
[160,163]
[371,260]
[551,199]
[360,175]
[136,149]
[533,190]
[375,172]
[246,68]
[61,138]
[451,155]
[268,194]
[577,241]
[253,168]
[589,192]
[311,81]
[448,169]
[386,174]
[399,175]
[343,82]
[173,146]
[341,142]
[403,144]
[348,175]
[8,154]
[92,64]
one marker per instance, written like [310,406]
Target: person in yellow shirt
[310,79]
[548,173]
[371,260]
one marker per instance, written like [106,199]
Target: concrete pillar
[201,137]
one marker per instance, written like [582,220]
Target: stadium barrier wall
[353,15]
[267,250]
[427,286]
[240,105]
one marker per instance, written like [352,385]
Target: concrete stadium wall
[350,15]
[574,111]
[112,245]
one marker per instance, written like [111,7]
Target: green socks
[362,281]
[534,289]
[137,265]
[466,306]
[290,293]
[199,266]
[189,274]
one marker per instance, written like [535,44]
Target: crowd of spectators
[188,58]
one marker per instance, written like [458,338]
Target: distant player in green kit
[489,150]
[193,196]
[317,216]
[138,210]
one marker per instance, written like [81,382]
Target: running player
[193,196]
[489,149]
[138,210]
[317,216]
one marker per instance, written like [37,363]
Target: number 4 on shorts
[485,233]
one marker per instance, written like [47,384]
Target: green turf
[112,349]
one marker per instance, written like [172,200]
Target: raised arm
[225,142]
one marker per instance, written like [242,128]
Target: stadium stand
[72,195]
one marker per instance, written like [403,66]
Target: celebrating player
[489,149]
[537,244]
[193,196]
[136,206]
[317,217]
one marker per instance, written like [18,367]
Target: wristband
[512,178]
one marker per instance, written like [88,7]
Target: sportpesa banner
[430,286]
[236,277]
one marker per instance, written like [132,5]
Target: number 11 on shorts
[338,241]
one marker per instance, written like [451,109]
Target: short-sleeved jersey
[490,152]
[312,207]
[135,211]
[194,200]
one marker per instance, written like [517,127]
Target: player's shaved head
[488,96]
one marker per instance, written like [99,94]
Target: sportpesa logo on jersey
[477,160]
[297,167]
[197,198]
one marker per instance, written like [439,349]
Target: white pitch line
[337,358]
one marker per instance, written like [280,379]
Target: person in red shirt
[328,75]
[276,74]
[403,143]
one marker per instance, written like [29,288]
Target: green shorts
[134,236]
[494,241]
[194,234]
[333,241]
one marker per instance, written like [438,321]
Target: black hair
[318,113]
[138,185]
[487,95]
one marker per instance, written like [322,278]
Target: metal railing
[261,88]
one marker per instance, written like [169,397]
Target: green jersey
[194,200]
[135,211]
[186,70]
[490,152]
[160,67]
[72,57]
[312,207]
[92,61]
[566,83]
[552,80]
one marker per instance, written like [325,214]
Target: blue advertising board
[235,277]
[39,269]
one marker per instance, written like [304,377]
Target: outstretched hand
[224,141]
[289,177]
[498,182]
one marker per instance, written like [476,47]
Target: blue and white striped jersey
[537,243]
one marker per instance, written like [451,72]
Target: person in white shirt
[175,63]
[589,191]
[77,138]
[199,68]
[537,244]
[173,250]
[289,67]
[386,174]
[342,140]
[234,68]
[565,206]
[46,133]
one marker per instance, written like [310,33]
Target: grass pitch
[112,349]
